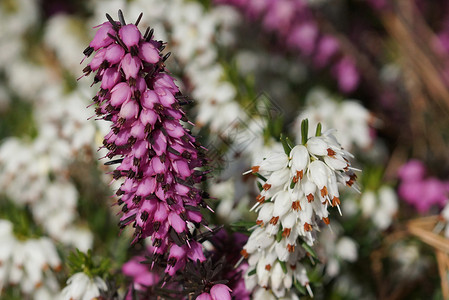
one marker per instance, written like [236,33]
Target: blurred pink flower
[413,170]
[295,26]
[346,74]
[418,191]
[140,273]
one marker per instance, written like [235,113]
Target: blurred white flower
[350,119]
[24,177]
[29,263]
[16,17]
[338,249]
[380,206]
[410,263]
[65,35]
[28,79]
[81,287]
[233,199]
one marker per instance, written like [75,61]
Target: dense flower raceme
[295,24]
[158,156]
[296,190]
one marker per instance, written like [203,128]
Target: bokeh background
[375,70]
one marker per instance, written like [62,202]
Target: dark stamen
[88,51]
[111,20]
[113,162]
[121,18]
[138,19]
[150,35]
[166,56]
[174,151]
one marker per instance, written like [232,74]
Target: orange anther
[323,191]
[307,227]
[266,186]
[309,197]
[286,232]
[296,206]
[274,220]
[335,201]
[260,198]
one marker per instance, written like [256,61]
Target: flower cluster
[336,249]
[295,24]
[381,206]
[158,156]
[36,173]
[297,187]
[351,120]
[419,190]
[29,263]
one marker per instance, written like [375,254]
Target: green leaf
[318,130]
[292,184]
[83,262]
[304,131]
[279,235]
[309,250]
[299,287]
[260,176]
[242,224]
[285,144]
[252,272]
[259,186]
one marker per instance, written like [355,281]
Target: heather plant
[206,151]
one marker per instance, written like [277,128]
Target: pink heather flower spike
[157,156]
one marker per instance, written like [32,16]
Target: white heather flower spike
[296,193]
